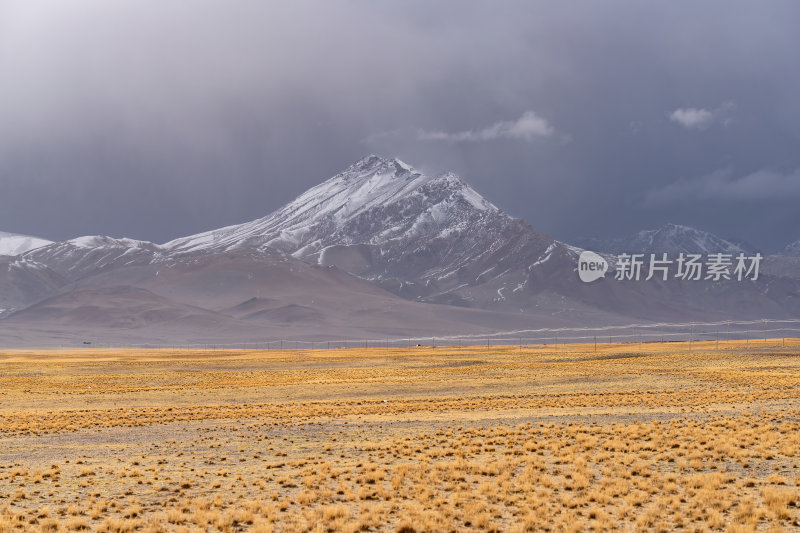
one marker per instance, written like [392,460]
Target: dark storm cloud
[159,119]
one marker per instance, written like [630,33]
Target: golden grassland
[506,438]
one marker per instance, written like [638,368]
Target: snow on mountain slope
[784,264]
[383,220]
[792,250]
[368,186]
[83,256]
[24,281]
[669,238]
[15,244]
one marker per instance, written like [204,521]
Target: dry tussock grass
[442,439]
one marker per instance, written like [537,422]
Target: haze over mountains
[379,250]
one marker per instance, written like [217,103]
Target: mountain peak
[372,196]
[375,163]
[669,238]
[678,227]
[462,189]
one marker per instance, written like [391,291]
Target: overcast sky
[158,119]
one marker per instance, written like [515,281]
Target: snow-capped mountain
[23,281]
[372,201]
[420,236]
[669,238]
[363,253]
[785,263]
[82,256]
[435,239]
[792,250]
[15,244]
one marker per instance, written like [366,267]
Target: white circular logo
[591,266]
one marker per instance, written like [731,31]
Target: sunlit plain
[505,438]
